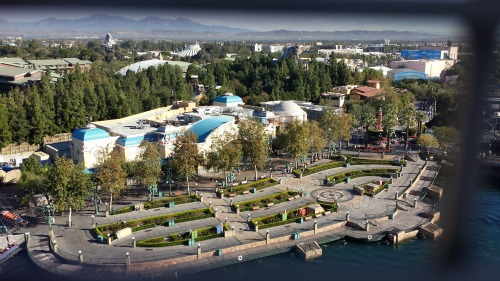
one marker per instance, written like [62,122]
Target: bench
[255,208]
[232,194]
[291,198]
[308,218]
[327,213]
[177,193]
[245,192]
[270,204]
[243,182]
[236,183]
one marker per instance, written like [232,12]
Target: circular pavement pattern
[329,195]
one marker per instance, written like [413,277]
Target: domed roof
[287,108]
[228,98]
[204,128]
[142,65]
[89,134]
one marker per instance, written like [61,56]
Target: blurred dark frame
[481,17]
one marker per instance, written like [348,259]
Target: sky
[255,21]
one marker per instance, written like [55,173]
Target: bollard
[347,216]
[315,226]
[405,195]
[396,196]
[248,218]
[215,213]
[267,237]
[80,257]
[234,231]
[54,245]
[199,251]
[367,224]
[415,203]
[109,240]
[133,242]
[256,226]
[392,180]
[127,260]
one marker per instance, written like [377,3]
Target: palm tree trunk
[110,202]
[69,217]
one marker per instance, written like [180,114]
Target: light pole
[92,220]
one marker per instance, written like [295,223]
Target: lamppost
[49,210]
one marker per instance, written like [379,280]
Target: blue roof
[204,127]
[132,141]
[87,134]
[228,99]
[409,74]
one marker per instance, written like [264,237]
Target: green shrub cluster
[175,239]
[365,161]
[127,209]
[339,177]
[176,199]
[319,168]
[157,220]
[258,185]
[263,201]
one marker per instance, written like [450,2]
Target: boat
[8,251]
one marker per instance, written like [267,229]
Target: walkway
[79,237]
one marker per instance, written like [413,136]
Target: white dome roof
[288,108]
[135,67]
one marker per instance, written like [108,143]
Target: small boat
[6,253]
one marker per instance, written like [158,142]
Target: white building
[433,68]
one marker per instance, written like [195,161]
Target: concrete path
[79,237]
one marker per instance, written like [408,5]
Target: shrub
[258,185]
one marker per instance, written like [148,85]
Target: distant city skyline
[257,22]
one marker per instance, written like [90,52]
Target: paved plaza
[80,237]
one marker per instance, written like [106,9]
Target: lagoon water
[412,260]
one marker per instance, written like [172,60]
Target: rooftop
[138,66]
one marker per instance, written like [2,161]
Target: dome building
[287,111]
[228,100]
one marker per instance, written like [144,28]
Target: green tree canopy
[254,142]
[186,156]
[111,176]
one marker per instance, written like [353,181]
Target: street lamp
[92,220]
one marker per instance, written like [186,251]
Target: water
[413,260]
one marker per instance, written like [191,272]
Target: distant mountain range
[182,28]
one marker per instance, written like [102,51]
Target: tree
[111,176]
[225,152]
[427,141]
[297,141]
[186,157]
[445,135]
[421,117]
[32,178]
[5,133]
[337,127]
[408,117]
[389,120]
[149,165]
[254,142]
[68,184]
[316,138]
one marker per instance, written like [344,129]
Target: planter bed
[258,185]
[340,177]
[182,199]
[140,224]
[175,239]
[263,202]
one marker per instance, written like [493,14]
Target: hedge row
[340,177]
[203,234]
[182,199]
[319,168]
[247,205]
[258,185]
[364,161]
[156,220]
[160,203]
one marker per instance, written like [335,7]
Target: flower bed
[263,201]
[174,239]
[258,185]
[150,222]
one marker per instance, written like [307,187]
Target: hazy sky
[258,22]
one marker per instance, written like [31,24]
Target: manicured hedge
[262,201]
[157,220]
[319,168]
[258,185]
[204,233]
[340,177]
[365,161]
[127,209]
[161,203]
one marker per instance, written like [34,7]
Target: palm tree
[367,119]
[408,116]
[421,118]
